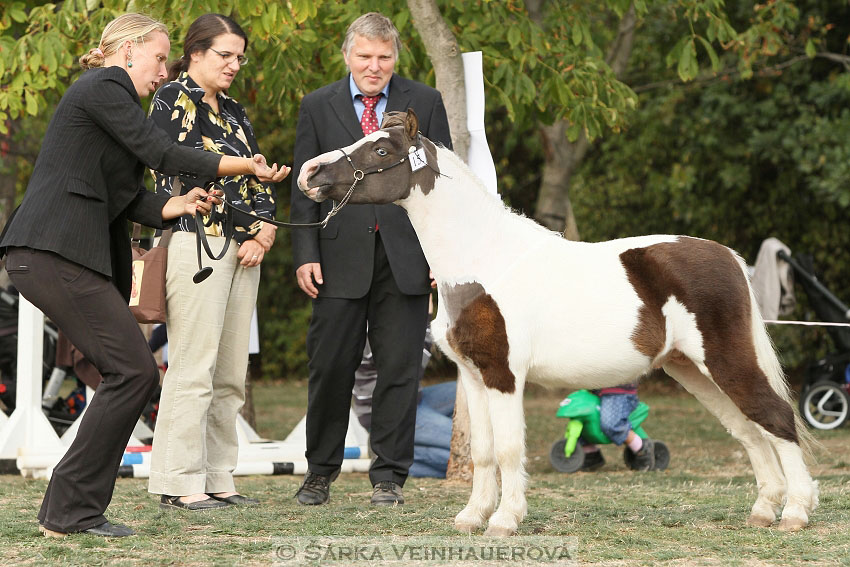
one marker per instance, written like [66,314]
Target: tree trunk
[460,458]
[562,157]
[443,50]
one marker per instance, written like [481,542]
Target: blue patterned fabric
[614,415]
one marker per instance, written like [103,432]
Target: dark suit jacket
[87,180]
[345,248]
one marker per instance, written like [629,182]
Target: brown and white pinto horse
[519,302]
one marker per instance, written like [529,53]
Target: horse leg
[770,478]
[485,486]
[508,422]
[764,401]
[802,496]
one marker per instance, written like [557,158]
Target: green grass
[691,514]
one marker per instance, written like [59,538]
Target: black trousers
[335,341]
[92,313]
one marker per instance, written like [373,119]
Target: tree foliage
[657,150]
[738,159]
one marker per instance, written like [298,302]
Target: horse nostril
[310,169]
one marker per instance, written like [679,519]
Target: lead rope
[228,223]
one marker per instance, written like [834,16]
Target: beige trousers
[195,446]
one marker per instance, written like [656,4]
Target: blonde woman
[68,251]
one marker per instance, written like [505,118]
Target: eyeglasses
[231,57]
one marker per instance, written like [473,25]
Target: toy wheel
[662,456]
[561,462]
[825,405]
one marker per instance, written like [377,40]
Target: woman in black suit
[68,250]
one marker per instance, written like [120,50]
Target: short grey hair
[373,25]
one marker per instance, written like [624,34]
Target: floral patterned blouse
[178,109]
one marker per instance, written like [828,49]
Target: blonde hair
[132,27]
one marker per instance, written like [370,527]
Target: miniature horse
[519,302]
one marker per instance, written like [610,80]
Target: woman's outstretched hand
[268,174]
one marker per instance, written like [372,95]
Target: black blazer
[87,180]
[345,248]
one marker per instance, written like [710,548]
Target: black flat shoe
[236,500]
[110,530]
[174,502]
[103,530]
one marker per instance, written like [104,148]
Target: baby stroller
[825,398]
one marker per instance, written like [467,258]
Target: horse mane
[497,201]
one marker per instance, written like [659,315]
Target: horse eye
[381,152]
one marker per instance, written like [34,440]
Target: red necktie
[369,120]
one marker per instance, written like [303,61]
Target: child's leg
[614,416]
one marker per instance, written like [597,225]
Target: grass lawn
[691,514]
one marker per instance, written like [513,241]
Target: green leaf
[687,68]
[675,53]
[400,20]
[32,103]
[576,36]
[528,87]
[811,51]
[500,72]
[301,10]
[715,61]
[514,36]
[308,36]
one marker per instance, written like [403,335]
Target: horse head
[383,167]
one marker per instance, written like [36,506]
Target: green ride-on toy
[582,409]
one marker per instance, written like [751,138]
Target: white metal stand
[27,435]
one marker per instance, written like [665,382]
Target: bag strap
[137,235]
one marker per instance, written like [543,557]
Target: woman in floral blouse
[195,443]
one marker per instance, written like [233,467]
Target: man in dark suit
[366,270]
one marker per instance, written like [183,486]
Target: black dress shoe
[236,500]
[316,489]
[175,502]
[110,530]
[387,493]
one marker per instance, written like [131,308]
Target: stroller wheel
[561,462]
[825,405]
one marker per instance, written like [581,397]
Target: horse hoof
[466,528]
[792,524]
[499,531]
[759,521]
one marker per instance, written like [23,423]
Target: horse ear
[411,124]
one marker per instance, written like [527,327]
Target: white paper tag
[417,159]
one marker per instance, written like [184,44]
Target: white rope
[808,323]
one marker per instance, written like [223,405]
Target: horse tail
[770,365]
